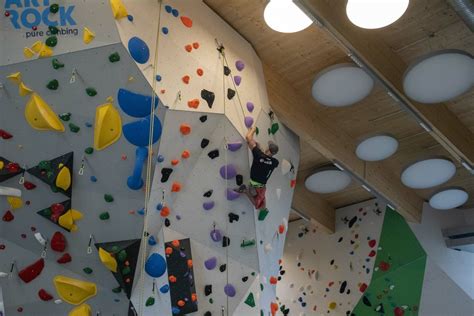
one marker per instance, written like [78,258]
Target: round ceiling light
[448,198]
[284,16]
[439,76]
[377,148]
[374,14]
[327,180]
[428,173]
[342,85]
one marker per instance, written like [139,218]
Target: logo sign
[35,13]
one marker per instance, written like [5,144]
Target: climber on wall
[262,168]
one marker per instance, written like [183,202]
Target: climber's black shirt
[262,166]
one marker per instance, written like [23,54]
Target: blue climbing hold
[165,30]
[165,289]
[160,158]
[175,13]
[155,265]
[158,78]
[141,211]
[151,240]
[159,206]
[93,179]
[130,18]
[138,50]
[137,133]
[88,124]
[135,104]
[168,8]
[175,310]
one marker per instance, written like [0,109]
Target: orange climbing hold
[172,279]
[174,162]
[190,263]
[185,79]
[175,243]
[176,187]
[186,154]
[185,129]
[273,280]
[165,212]
[187,21]
[200,72]
[194,297]
[194,103]
[169,250]
[188,48]
[274,308]
[181,303]
[195,45]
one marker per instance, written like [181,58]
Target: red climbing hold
[176,187]
[372,253]
[5,135]
[13,167]
[194,103]
[398,311]
[187,21]
[372,243]
[64,258]
[384,266]
[185,79]
[200,72]
[174,162]
[188,48]
[292,183]
[44,296]
[165,211]
[273,280]
[186,154]
[8,216]
[363,287]
[195,45]
[185,129]
[30,273]
[58,242]
[281,229]
[29,185]
[7,14]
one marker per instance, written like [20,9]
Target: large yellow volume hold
[63,180]
[74,291]
[68,220]
[108,260]
[40,116]
[118,9]
[107,127]
[81,310]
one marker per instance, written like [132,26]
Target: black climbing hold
[51,41]
[343,287]
[366,301]
[204,143]
[208,194]
[340,239]
[203,118]
[352,221]
[230,93]
[245,279]
[226,70]
[223,267]
[233,217]
[167,222]
[165,174]
[225,241]
[53,85]
[47,171]
[54,8]
[208,290]
[282,272]
[208,96]
[213,154]
[207,313]
[239,179]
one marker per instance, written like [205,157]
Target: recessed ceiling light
[439,76]
[327,180]
[448,198]
[428,173]
[374,14]
[377,148]
[342,85]
[284,16]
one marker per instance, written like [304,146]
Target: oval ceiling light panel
[375,14]
[448,198]
[327,180]
[428,173]
[376,148]
[342,85]
[284,16]
[439,76]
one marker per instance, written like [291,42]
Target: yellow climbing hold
[40,116]
[108,260]
[28,52]
[332,305]
[63,180]
[15,77]
[2,164]
[15,202]
[81,310]
[88,36]
[110,99]
[23,90]
[118,9]
[68,219]
[45,51]
[74,291]
[107,127]
[36,47]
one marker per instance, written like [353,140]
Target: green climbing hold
[115,249]
[53,85]
[261,287]
[126,270]
[57,64]
[257,130]
[108,198]
[51,41]
[87,270]
[122,255]
[65,116]
[91,92]
[53,187]
[117,289]
[47,212]
[104,216]
[150,301]
[272,130]
[44,165]
[211,301]
[89,150]
[250,301]
[54,8]
[114,57]
[74,128]
[53,29]
[253,273]
[247,243]
[262,214]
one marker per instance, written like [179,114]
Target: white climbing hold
[7,191]
[58,301]
[3,274]
[278,193]
[40,238]
[268,247]
[285,166]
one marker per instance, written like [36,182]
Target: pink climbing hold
[187,21]
[248,121]
[32,271]
[228,171]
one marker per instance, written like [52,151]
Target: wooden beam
[448,130]
[302,116]
[311,205]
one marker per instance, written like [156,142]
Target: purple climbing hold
[216,235]
[248,121]
[229,290]
[234,146]
[208,205]
[232,195]
[237,80]
[228,171]
[210,263]
[239,65]
[250,107]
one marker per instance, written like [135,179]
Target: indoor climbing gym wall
[372,265]
[122,139]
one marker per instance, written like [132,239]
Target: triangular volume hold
[125,253]
[9,169]
[57,173]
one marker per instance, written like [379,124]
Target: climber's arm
[249,138]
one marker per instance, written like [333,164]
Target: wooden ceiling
[428,25]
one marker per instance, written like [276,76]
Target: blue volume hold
[138,50]
[134,104]
[137,133]
[135,181]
